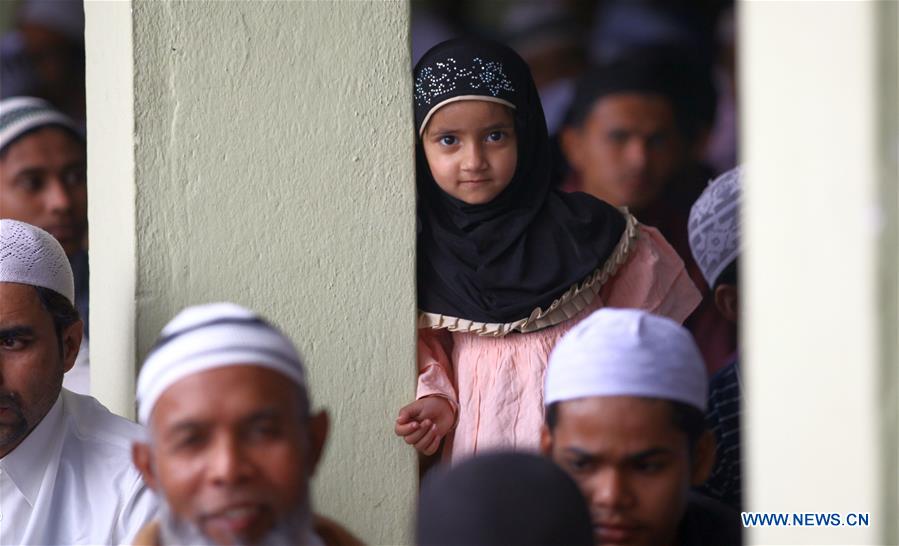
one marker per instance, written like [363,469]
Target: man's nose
[637,153]
[228,462]
[58,196]
[611,490]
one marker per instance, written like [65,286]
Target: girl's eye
[448,140]
[496,136]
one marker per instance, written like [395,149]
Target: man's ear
[546,441]
[71,344]
[703,458]
[727,302]
[319,426]
[143,461]
[571,146]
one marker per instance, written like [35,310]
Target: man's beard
[12,433]
[293,529]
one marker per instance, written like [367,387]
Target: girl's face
[472,149]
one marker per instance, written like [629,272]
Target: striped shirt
[723,419]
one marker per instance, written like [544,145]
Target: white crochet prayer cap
[18,115]
[30,255]
[627,352]
[215,335]
[714,226]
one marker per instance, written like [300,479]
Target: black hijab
[499,261]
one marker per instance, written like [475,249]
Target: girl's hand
[424,423]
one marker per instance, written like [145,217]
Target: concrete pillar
[261,152]
[818,89]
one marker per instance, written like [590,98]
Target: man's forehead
[42,140]
[169,418]
[227,394]
[617,427]
[633,105]
[622,412]
[17,298]
[468,112]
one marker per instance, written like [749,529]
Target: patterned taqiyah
[30,255]
[714,226]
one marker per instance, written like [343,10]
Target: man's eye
[496,136]
[448,140]
[656,141]
[12,343]
[74,178]
[648,467]
[617,137]
[30,183]
[579,465]
[263,431]
[188,442]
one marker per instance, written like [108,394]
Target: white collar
[27,463]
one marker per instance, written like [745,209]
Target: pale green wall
[273,167]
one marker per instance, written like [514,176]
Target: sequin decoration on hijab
[498,261]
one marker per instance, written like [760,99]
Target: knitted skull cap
[30,255]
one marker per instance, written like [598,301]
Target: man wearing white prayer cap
[43,182]
[625,394]
[232,442]
[65,468]
[714,230]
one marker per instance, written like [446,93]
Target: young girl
[506,263]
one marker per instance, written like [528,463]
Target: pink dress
[495,384]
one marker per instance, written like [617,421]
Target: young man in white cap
[715,242]
[65,468]
[625,395]
[232,442]
[43,183]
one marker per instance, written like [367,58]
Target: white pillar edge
[813,349]
[111,201]
[888,69]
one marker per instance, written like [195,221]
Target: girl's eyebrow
[440,131]
[446,131]
[497,126]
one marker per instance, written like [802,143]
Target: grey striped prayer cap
[20,115]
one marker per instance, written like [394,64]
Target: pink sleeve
[654,279]
[435,370]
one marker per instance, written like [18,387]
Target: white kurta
[71,481]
